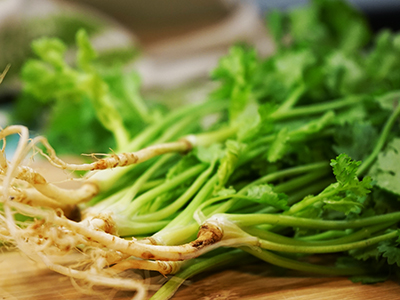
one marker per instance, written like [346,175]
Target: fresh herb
[302,160]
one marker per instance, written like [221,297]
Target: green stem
[233,204]
[309,201]
[166,186]
[301,181]
[355,236]
[326,248]
[292,264]
[182,227]
[197,266]
[106,179]
[177,235]
[194,111]
[286,173]
[132,191]
[135,99]
[178,203]
[128,228]
[208,138]
[151,184]
[343,239]
[176,130]
[317,108]
[292,100]
[275,219]
[308,190]
[323,236]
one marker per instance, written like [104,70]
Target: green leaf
[389,100]
[344,73]
[209,154]
[318,26]
[365,253]
[265,194]
[249,123]
[225,192]
[125,87]
[391,251]
[344,206]
[385,171]
[370,279]
[383,62]
[345,169]
[351,30]
[228,162]
[86,53]
[355,139]
[276,25]
[235,71]
[314,126]
[291,66]
[278,146]
[43,83]
[93,140]
[305,26]
[50,50]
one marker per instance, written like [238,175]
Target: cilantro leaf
[356,139]
[370,279]
[228,162]
[50,80]
[210,154]
[276,25]
[385,171]
[344,73]
[265,194]
[318,26]
[225,192]
[391,251]
[344,206]
[278,146]
[235,71]
[345,169]
[383,62]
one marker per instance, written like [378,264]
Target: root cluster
[47,232]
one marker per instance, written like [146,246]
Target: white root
[117,160]
[14,171]
[19,155]
[209,238]
[65,196]
[5,235]
[101,221]
[3,74]
[33,197]
[42,239]
[23,189]
[206,242]
[163,267]
[89,188]
[106,281]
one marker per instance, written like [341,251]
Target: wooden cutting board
[20,279]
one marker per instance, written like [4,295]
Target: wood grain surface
[21,278]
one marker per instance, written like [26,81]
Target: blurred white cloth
[183,59]
[164,64]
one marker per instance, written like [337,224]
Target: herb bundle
[302,160]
